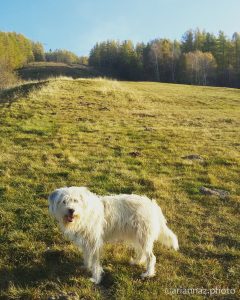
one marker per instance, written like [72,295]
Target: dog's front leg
[87,259]
[97,269]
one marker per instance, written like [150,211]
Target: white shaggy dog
[90,220]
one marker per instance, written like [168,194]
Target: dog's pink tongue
[70,218]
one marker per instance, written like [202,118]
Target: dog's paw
[147,275]
[94,280]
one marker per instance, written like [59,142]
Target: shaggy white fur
[90,220]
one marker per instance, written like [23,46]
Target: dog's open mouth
[69,218]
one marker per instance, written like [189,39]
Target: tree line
[16,51]
[200,58]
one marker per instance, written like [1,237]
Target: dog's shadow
[56,267]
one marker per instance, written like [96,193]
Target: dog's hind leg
[151,261]
[139,258]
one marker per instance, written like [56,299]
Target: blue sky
[77,25]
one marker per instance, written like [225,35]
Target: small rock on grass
[193,157]
[216,192]
[134,153]
[147,128]
[104,108]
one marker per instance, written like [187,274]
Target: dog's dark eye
[64,201]
[75,200]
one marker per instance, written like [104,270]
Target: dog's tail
[166,236]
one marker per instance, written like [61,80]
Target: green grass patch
[118,137]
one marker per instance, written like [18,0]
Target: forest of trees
[16,51]
[63,56]
[199,58]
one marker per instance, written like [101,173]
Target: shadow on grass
[31,276]
[199,253]
[56,269]
[226,240]
[10,95]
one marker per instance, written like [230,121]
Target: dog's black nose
[71,211]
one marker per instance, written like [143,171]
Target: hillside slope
[44,70]
[118,137]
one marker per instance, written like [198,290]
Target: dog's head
[68,204]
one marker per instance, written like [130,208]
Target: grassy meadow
[119,137]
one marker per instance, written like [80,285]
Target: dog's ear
[87,197]
[53,200]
